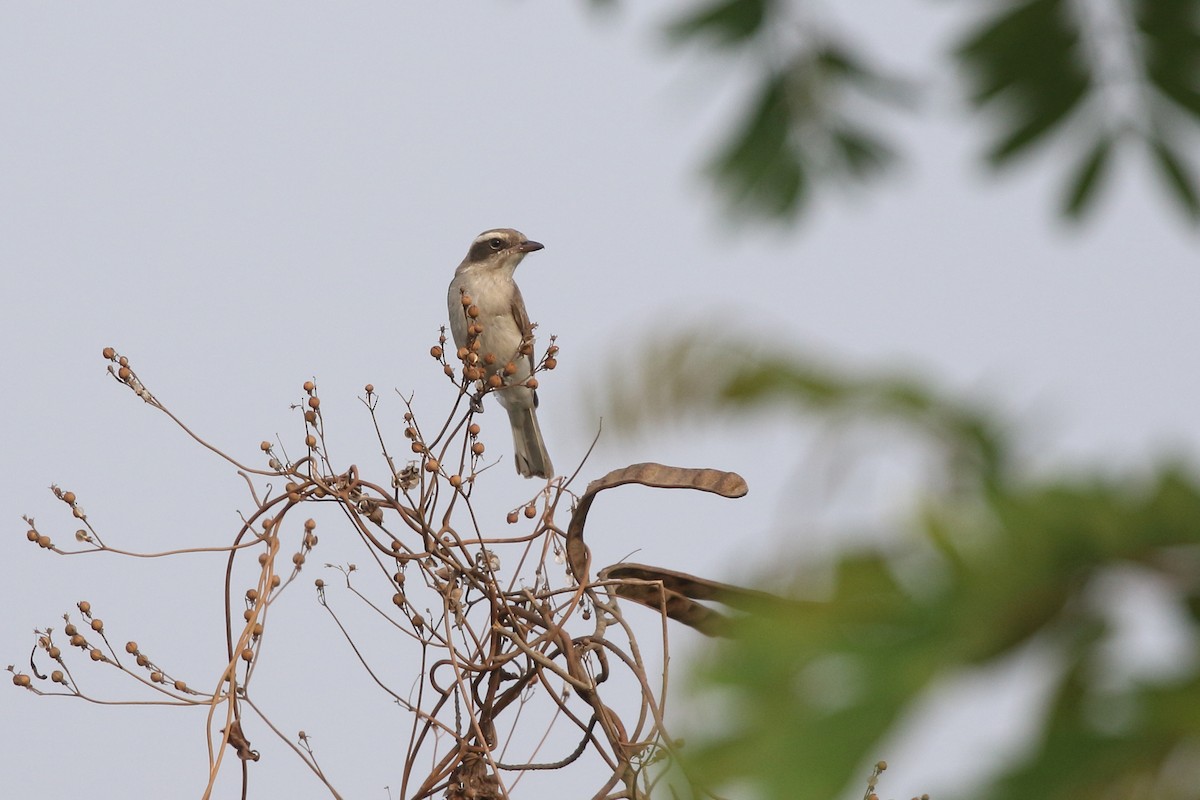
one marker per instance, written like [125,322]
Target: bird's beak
[529,247]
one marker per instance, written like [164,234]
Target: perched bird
[486,276]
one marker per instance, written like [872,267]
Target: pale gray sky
[244,196]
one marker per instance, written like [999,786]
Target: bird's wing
[519,314]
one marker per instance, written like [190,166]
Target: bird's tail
[528,447]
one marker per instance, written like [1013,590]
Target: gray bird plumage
[486,274]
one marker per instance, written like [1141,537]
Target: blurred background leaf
[1029,58]
[691,373]
[799,131]
[998,564]
[1095,77]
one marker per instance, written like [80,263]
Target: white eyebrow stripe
[498,233]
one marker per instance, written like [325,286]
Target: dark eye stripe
[483,249]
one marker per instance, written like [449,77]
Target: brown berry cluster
[312,416]
[120,369]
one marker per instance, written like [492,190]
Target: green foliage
[1177,175]
[1170,32]
[693,371]
[1082,186]
[818,684]
[1097,77]
[798,131]
[983,571]
[726,21]
[1029,58]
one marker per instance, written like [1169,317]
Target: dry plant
[497,620]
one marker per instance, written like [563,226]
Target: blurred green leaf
[759,166]
[816,686]
[795,132]
[1170,44]
[1090,751]
[815,662]
[697,372]
[862,153]
[1027,60]
[726,21]
[1041,117]
[1178,176]
[1041,69]
[839,63]
[1082,186]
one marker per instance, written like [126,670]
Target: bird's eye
[496,244]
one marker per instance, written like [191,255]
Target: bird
[502,327]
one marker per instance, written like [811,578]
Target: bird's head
[500,248]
